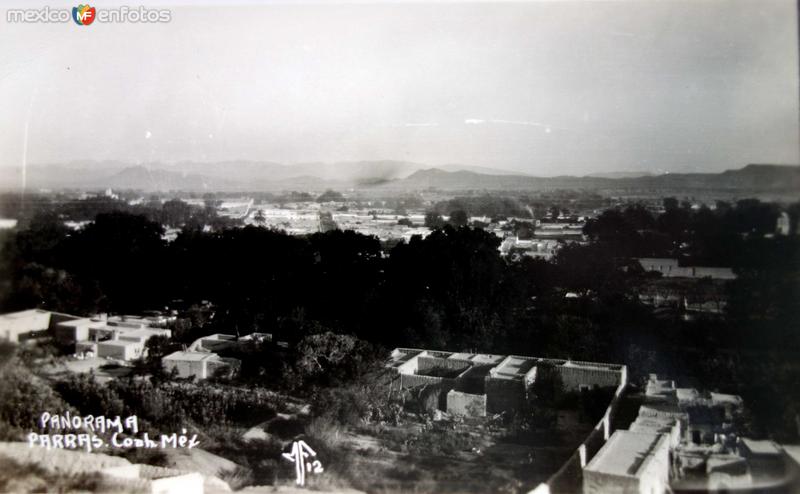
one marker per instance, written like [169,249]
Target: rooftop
[24,314]
[653,424]
[660,410]
[189,356]
[84,321]
[485,358]
[118,343]
[726,399]
[660,388]
[625,452]
[478,358]
[513,367]
[761,447]
[687,394]
[660,261]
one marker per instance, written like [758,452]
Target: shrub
[285,428]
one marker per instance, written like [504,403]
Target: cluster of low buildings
[685,291]
[307,218]
[480,384]
[122,339]
[117,337]
[686,440]
[544,240]
[538,248]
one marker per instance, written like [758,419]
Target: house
[669,268]
[629,462]
[201,365]
[214,343]
[783,225]
[765,458]
[78,330]
[128,345]
[18,327]
[121,338]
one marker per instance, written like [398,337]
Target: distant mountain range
[620,174]
[378,175]
[752,178]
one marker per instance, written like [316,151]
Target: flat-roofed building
[628,463]
[669,268]
[24,324]
[659,425]
[108,337]
[201,365]
[17,327]
[120,349]
[660,390]
[507,383]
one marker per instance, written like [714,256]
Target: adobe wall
[408,381]
[466,404]
[603,483]
[425,364]
[186,368]
[574,377]
[594,442]
[473,381]
[653,474]
[504,394]
[56,317]
[570,477]
[414,380]
[230,364]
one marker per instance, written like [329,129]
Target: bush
[237,478]
[23,397]
[260,458]
[324,430]
[285,428]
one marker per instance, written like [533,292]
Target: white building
[116,337]
[629,462]
[201,365]
[17,327]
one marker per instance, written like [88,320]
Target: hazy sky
[546,87]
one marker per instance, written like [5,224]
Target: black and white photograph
[400,246]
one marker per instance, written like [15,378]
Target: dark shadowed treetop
[331,196]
